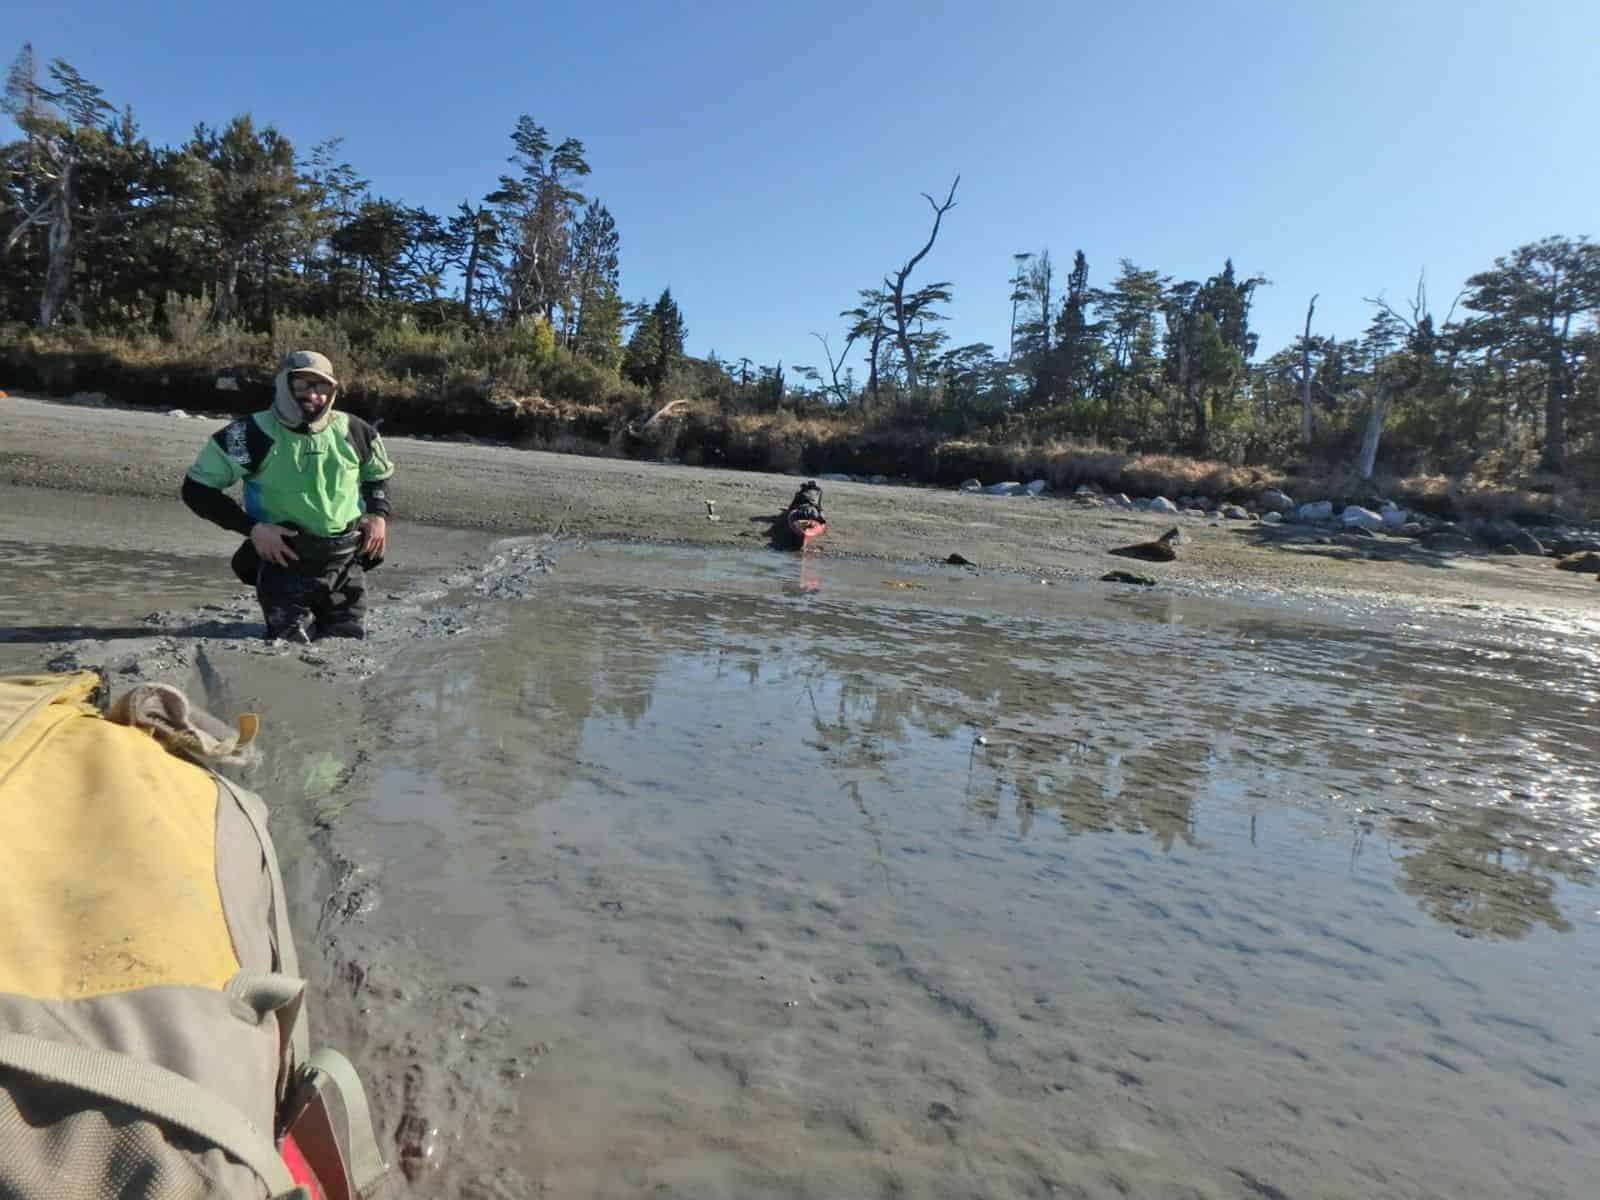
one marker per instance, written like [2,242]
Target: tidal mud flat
[698,870]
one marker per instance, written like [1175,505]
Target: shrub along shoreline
[541,397]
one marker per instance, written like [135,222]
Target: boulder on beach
[1162,505]
[1316,510]
[1272,500]
[1524,542]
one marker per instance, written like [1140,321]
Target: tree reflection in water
[1102,726]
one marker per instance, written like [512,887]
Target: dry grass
[445,383]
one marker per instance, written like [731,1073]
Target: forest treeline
[146,271]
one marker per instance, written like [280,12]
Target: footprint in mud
[417,1144]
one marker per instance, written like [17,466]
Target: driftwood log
[1163,549]
[666,410]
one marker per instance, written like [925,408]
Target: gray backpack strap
[161,1094]
[288,960]
[328,1111]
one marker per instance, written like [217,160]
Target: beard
[312,407]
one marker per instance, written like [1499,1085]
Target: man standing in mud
[316,503]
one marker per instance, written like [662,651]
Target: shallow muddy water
[697,874]
[731,880]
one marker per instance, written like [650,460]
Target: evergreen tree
[251,188]
[536,209]
[666,333]
[66,132]
[1077,341]
[595,318]
[1536,304]
[644,346]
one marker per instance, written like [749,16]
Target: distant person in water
[316,503]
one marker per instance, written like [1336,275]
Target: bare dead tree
[1394,378]
[1305,375]
[838,389]
[1018,295]
[897,285]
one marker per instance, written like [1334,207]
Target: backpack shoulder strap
[155,1091]
[331,1072]
[288,960]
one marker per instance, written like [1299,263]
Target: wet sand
[699,870]
[496,489]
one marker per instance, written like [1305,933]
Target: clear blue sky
[767,161]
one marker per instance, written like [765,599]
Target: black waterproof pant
[322,594]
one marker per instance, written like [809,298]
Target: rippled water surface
[869,881]
[51,592]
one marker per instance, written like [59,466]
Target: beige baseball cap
[309,362]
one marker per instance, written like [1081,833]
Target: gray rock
[1491,532]
[1011,488]
[1272,500]
[837,477]
[1272,517]
[1120,500]
[1356,535]
[89,399]
[1037,487]
[227,383]
[1565,542]
[970,485]
[1525,543]
[1234,513]
[1356,516]
[1447,540]
[1162,505]
[1083,489]
[1317,510]
[879,479]
[1393,516]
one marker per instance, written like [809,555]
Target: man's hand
[272,543]
[377,531]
